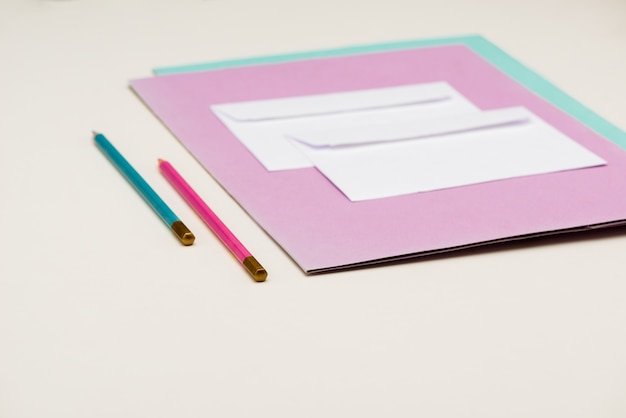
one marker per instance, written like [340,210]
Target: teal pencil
[143,188]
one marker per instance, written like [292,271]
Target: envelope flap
[414,129]
[326,104]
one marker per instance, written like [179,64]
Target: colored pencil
[143,188]
[252,266]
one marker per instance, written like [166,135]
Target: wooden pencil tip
[95,134]
[160,161]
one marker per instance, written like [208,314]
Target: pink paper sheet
[319,227]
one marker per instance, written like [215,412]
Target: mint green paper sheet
[477,43]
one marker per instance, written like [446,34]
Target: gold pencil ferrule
[255,269]
[183,233]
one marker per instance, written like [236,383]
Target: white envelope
[370,161]
[261,125]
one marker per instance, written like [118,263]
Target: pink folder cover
[320,228]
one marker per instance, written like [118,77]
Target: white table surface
[103,314]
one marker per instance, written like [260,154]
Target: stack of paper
[388,152]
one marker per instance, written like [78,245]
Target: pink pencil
[217,226]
